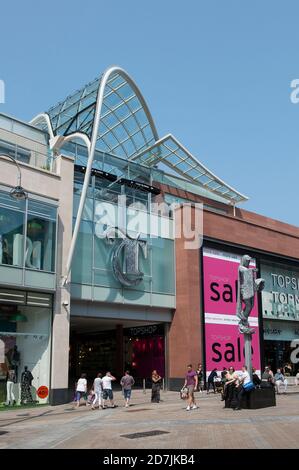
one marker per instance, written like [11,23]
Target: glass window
[40,246]
[11,230]
[41,233]
[82,260]
[41,236]
[163,266]
[19,153]
[24,342]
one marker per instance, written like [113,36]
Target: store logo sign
[125,256]
[143,330]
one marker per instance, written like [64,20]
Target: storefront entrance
[144,350]
[278,353]
[100,346]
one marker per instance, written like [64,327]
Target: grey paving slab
[208,427]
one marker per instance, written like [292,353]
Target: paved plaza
[208,427]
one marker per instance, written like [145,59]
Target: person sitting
[255,378]
[280,380]
[287,370]
[267,378]
[229,387]
[211,380]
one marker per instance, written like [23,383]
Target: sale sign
[224,345]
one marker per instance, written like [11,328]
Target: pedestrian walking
[200,383]
[191,382]
[107,389]
[156,387]
[81,389]
[98,392]
[127,382]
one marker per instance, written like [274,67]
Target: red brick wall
[245,228]
[185,331]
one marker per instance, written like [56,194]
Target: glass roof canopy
[124,129]
[121,125]
[171,152]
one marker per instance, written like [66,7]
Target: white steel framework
[111,115]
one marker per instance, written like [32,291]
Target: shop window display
[11,228]
[24,353]
[39,220]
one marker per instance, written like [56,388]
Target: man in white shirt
[107,389]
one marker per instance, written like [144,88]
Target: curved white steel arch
[43,117]
[91,148]
[58,135]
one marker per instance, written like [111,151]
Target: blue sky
[216,74]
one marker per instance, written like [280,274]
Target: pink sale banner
[224,345]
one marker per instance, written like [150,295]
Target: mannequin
[10,381]
[26,380]
[15,360]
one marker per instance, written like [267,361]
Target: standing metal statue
[248,285]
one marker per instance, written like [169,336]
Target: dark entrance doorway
[100,346]
[145,351]
[277,354]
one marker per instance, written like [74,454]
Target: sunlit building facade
[93,273]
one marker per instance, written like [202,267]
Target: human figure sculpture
[248,285]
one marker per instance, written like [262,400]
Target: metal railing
[31,157]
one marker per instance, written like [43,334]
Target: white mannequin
[11,379]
